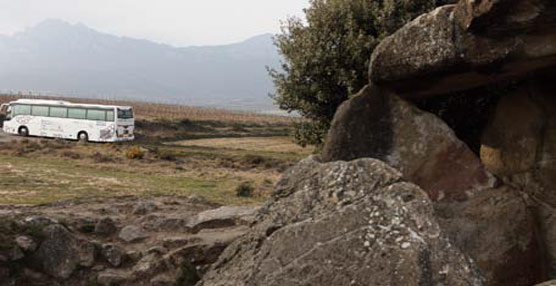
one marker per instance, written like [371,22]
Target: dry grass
[42,170]
[281,144]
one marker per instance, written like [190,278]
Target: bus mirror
[4,109]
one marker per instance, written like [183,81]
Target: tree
[326,58]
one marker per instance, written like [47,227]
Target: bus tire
[82,136]
[23,131]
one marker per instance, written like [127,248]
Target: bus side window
[110,116]
[95,114]
[22,109]
[60,112]
[77,113]
[38,110]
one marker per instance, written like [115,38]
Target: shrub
[245,190]
[135,153]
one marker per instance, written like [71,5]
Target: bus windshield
[125,113]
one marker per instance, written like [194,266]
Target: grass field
[179,157]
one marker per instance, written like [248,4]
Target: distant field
[145,110]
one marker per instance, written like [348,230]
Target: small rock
[157,250]
[112,254]
[133,255]
[144,208]
[132,233]
[26,243]
[106,226]
[110,277]
[87,254]
[221,217]
[148,266]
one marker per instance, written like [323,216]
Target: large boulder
[473,43]
[498,230]
[377,124]
[344,223]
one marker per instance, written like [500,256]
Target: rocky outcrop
[115,248]
[506,225]
[417,143]
[344,223]
[473,43]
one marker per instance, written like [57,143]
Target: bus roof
[64,103]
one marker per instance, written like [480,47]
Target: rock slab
[344,223]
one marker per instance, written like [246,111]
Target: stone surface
[106,226]
[474,43]
[111,277]
[511,146]
[344,223]
[112,254]
[519,146]
[57,255]
[221,217]
[132,233]
[144,208]
[100,258]
[417,143]
[498,230]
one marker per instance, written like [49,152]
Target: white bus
[66,120]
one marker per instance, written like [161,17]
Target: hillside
[59,58]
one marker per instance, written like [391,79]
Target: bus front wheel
[83,137]
[23,131]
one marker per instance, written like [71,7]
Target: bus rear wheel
[23,131]
[83,137]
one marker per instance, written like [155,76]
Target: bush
[135,153]
[245,190]
[326,57]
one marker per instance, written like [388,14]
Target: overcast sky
[175,22]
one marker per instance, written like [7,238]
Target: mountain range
[63,59]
